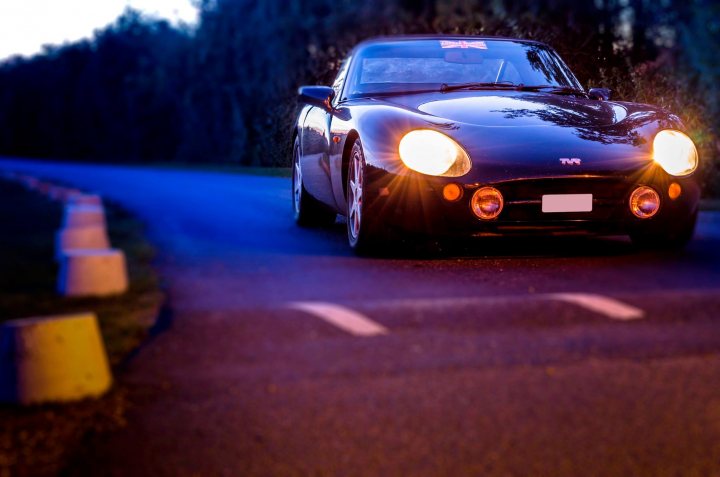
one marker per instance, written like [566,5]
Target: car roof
[396,38]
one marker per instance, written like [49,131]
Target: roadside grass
[225,168]
[710,205]
[39,440]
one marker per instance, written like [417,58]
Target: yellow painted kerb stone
[52,359]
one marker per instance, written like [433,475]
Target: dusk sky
[27,25]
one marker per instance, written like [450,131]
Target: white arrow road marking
[609,307]
[344,318]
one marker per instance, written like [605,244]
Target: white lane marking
[609,307]
[344,318]
[601,304]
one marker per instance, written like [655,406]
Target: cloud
[27,25]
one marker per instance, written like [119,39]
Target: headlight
[433,153]
[675,152]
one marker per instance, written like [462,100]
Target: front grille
[523,198]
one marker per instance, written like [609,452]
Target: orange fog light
[487,203]
[644,202]
[452,192]
[674,190]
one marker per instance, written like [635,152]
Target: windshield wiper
[494,84]
[399,92]
[553,89]
[510,85]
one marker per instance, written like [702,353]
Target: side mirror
[319,96]
[601,94]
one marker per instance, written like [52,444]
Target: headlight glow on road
[433,153]
[675,152]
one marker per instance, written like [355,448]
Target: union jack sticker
[477,44]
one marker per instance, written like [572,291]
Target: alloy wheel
[355,196]
[297,182]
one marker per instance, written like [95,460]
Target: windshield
[418,65]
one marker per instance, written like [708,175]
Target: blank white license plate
[567,203]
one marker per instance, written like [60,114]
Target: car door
[340,125]
[315,143]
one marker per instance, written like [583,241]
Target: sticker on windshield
[480,45]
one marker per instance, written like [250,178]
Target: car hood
[527,134]
[514,108]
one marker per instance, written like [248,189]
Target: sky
[27,25]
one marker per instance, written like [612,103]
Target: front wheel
[307,210]
[362,232]
[675,239]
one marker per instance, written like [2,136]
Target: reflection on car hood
[525,134]
[513,108]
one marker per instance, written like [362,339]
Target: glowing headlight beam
[675,152]
[433,153]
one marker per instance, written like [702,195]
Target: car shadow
[512,247]
[332,241]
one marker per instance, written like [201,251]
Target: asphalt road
[286,355]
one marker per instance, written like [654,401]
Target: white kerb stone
[29,182]
[79,238]
[83,216]
[93,273]
[62,194]
[52,359]
[85,199]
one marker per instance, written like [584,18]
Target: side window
[340,81]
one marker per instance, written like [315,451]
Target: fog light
[452,192]
[674,190]
[644,202]
[487,203]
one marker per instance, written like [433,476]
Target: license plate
[567,203]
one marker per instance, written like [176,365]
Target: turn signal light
[674,190]
[487,203]
[452,192]
[644,202]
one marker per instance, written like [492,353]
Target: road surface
[286,355]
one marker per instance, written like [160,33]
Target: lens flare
[675,152]
[433,153]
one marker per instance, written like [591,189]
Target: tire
[362,231]
[677,240]
[307,211]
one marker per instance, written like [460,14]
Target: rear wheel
[676,239]
[307,210]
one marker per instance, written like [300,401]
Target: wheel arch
[295,135]
[352,137]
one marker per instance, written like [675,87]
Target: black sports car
[475,136]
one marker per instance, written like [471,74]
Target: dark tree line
[143,90]
[114,98]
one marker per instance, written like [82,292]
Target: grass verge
[710,205]
[39,440]
[225,168]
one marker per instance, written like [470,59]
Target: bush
[144,91]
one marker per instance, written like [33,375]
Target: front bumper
[414,204]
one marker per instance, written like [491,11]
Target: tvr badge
[570,161]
